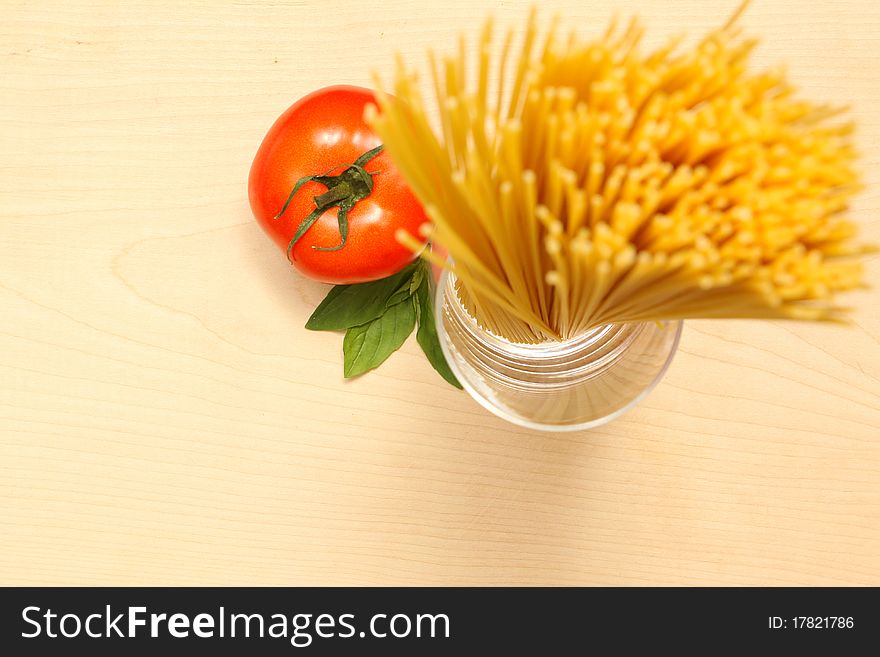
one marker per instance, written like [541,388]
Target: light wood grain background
[165,419]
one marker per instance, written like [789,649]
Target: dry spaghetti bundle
[590,184]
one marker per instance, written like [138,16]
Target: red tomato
[322,132]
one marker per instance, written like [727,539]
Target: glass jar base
[569,385]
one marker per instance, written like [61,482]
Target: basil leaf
[352,305]
[427,336]
[417,277]
[367,346]
[402,294]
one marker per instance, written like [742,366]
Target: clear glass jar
[568,385]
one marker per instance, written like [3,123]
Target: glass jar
[569,385]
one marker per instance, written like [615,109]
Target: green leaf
[417,277]
[352,305]
[367,346]
[427,336]
[400,294]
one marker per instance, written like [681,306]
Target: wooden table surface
[167,420]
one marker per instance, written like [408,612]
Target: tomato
[321,134]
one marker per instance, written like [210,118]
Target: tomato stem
[344,190]
[334,194]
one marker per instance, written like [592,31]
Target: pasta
[596,185]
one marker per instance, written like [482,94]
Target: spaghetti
[607,186]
